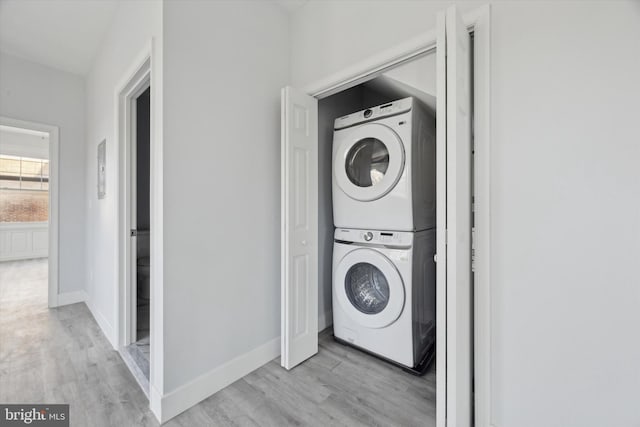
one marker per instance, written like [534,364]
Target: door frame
[140,80]
[478,23]
[53,262]
[132,186]
[146,67]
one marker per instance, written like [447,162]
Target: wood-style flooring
[60,356]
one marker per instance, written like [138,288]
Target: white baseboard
[106,327]
[184,397]
[155,402]
[325,320]
[67,298]
[22,257]
[177,401]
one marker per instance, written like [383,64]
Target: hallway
[61,356]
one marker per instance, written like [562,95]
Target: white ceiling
[64,34]
[291,5]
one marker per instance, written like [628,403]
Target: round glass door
[367,288]
[368,161]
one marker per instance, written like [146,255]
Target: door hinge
[473,249]
[134,232]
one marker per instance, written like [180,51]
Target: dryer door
[369,161]
[369,288]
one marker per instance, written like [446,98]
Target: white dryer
[384,294]
[384,168]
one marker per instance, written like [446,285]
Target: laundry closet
[377,215]
[407,88]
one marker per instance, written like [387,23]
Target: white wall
[134,25]
[565,230]
[24,144]
[225,62]
[36,93]
[327,36]
[565,186]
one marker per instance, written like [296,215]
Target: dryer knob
[368,236]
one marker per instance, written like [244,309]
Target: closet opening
[380,180]
[376,268]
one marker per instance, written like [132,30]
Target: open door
[299,227]
[454,328]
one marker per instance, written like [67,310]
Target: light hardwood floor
[60,356]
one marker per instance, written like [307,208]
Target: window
[24,189]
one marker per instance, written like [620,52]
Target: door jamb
[132,284]
[482,217]
[132,123]
[148,59]
[142,74]
[136,84]
[478,22]
[54,199]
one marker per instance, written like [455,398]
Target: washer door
[369,288]
[369,162]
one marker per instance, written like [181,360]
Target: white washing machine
[384,168]
[384,298]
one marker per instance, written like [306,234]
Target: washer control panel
[384,110]
[376,237]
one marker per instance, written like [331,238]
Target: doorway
[135,145]
[376,279]
[140,289]
[29,212]
[459,326]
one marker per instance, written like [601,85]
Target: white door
[454,221]
[299,228]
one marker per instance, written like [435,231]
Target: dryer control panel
[373,113]
[374,237]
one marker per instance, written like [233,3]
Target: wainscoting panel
[24,241]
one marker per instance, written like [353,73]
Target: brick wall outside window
[24,205]
[24,189]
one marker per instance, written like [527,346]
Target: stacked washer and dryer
[384,209]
